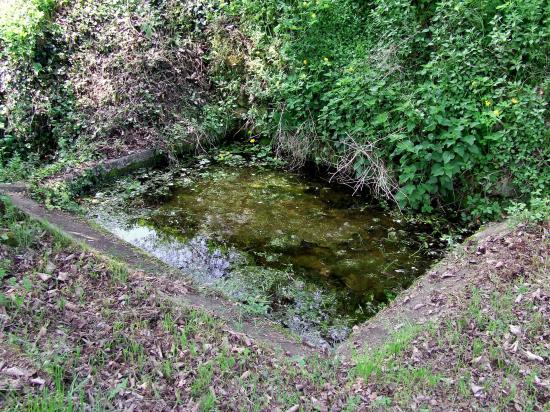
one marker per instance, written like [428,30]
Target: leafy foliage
[451,95]
[37,113]
[430,104]
[89,82]
[537,211]
[22,24]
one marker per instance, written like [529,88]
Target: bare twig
[360,166]
[296,144]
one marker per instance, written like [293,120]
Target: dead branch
[373,173]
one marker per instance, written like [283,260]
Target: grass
[371,363]
[48,401]
[152,351]
[208,402]
[474,342]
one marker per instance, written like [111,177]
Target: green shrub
[537,211]
[448,98]
[22,23]
[37,115]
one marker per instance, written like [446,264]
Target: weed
[61,303]
[48,401]
[208,402]
[23,233]
[168,323]
[167,369]
[202,381]
[538,210]
[119,272]
[371,363]
[117,389]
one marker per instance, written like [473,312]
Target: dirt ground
[482,340]
[429,297]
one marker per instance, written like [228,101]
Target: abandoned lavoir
[276,205]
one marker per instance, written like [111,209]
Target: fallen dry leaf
[38,381]
[532,357]
[417,355]
[542,383]
[50,267]
[477,390]
[515,330]
[44,277]
[479,360]
[17,372]
[42,332]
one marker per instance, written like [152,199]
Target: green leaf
[448,156]
[437,170]
[470,139]
[459,150]
[381,119]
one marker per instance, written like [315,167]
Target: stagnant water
[293,248]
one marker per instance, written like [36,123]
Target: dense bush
[445,100]
[429,104]
[22,25]
[37,116]
[86,80]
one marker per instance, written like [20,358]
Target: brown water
[297,249]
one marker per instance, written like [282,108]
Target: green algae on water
[293,248]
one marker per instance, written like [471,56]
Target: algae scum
[297,250]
